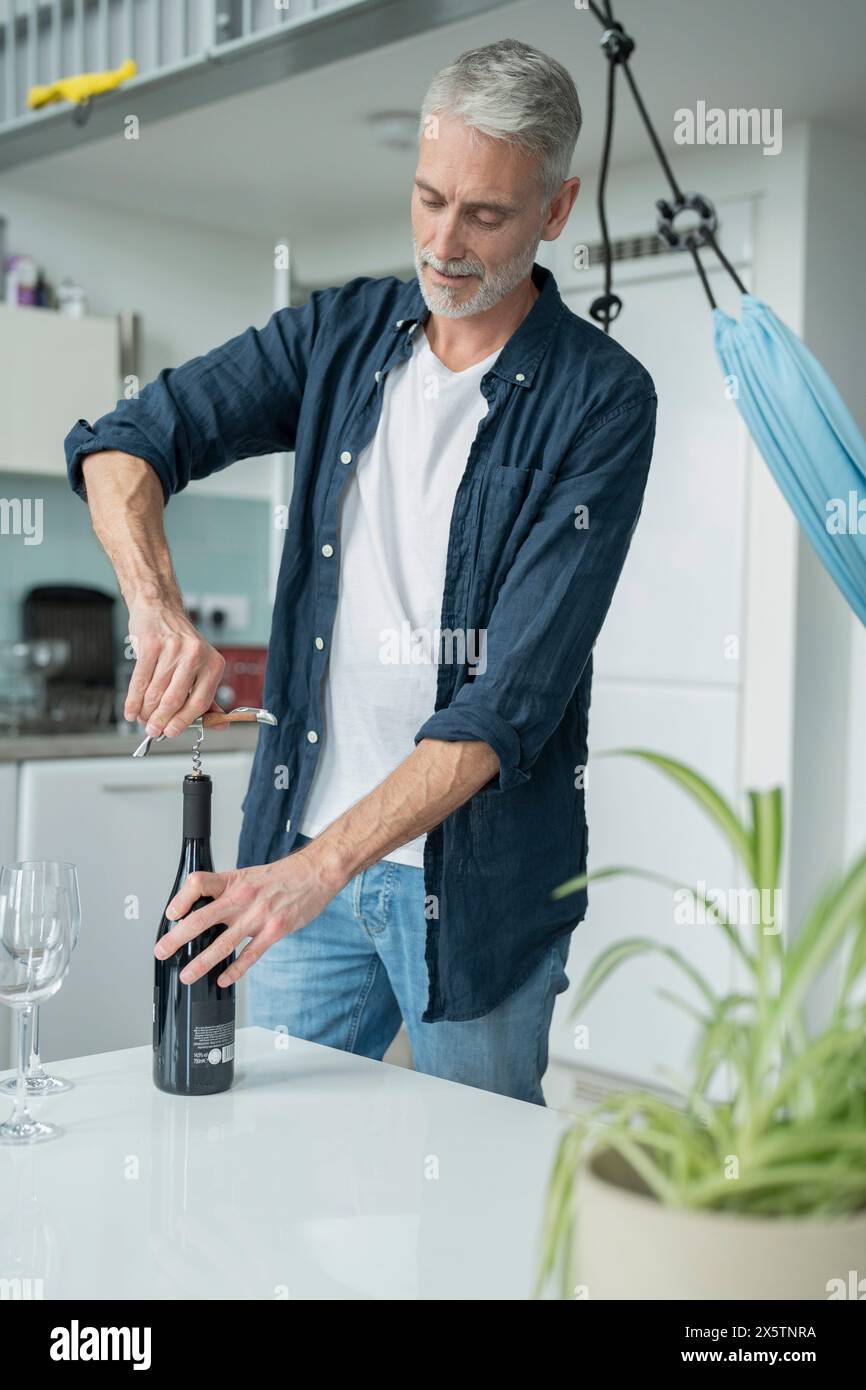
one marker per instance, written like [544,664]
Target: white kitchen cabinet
[119,821]
[56,370]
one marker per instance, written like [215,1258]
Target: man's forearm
[433,781]
[126,508]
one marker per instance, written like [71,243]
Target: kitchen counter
[319,1175]
[110,743]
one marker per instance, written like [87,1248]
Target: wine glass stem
[34,1064]
[20,1113]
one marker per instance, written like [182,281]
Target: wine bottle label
[213,1043]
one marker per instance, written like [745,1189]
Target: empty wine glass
[35,946]
[37,1081]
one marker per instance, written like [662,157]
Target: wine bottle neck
[196,818]
[195,856]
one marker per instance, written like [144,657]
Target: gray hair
[515,93]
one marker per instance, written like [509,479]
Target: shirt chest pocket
[509,500]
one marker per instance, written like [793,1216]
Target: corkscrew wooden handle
[244,714]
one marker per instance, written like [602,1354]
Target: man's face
[477,217]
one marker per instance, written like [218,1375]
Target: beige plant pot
[630,1246]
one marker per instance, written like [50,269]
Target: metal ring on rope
[696,235]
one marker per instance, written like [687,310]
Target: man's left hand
[264,903]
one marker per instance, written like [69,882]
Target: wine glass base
[36,1087]
[28,1132]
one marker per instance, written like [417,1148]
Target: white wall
[830,730]
[835,310]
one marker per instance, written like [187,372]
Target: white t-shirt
[395,522]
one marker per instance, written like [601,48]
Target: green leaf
[816,943]
[819,1175]
[767,836]
[707,797]
[574,885]
[714,913]
[836,1046]
[815,1140]
[628,949]
[856,963]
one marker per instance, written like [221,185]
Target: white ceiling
[298,154]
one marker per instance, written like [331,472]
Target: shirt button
[320,644]
[327,551]
[312,736]
[399,323]
[378,376]
[345,456]
[288,826]
[520,377]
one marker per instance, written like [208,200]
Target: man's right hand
[176,671]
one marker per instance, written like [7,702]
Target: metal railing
[44,40]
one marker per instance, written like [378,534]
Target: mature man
[470,463]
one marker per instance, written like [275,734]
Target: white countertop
[314,1177]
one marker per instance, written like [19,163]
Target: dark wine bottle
[193,1025]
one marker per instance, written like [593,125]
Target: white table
[319,1175]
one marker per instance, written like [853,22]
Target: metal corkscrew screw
[196,748]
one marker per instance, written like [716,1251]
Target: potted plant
[762,1196]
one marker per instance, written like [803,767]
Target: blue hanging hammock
[806,435]
[797,418]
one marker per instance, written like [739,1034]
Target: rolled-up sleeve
[551,606]
[240,400]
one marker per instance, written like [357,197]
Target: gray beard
[493,288]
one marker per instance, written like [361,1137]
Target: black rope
[703,274]
[601,308]
[726,263]
[602,186]
[607,21]
[650,129]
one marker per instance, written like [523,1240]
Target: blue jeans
[350,976]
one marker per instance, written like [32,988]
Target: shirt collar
[520,356]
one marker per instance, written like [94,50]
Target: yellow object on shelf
[81,88]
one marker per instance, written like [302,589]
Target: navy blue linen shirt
[542,521]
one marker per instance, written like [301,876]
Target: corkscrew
[244,714]
[196,748]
